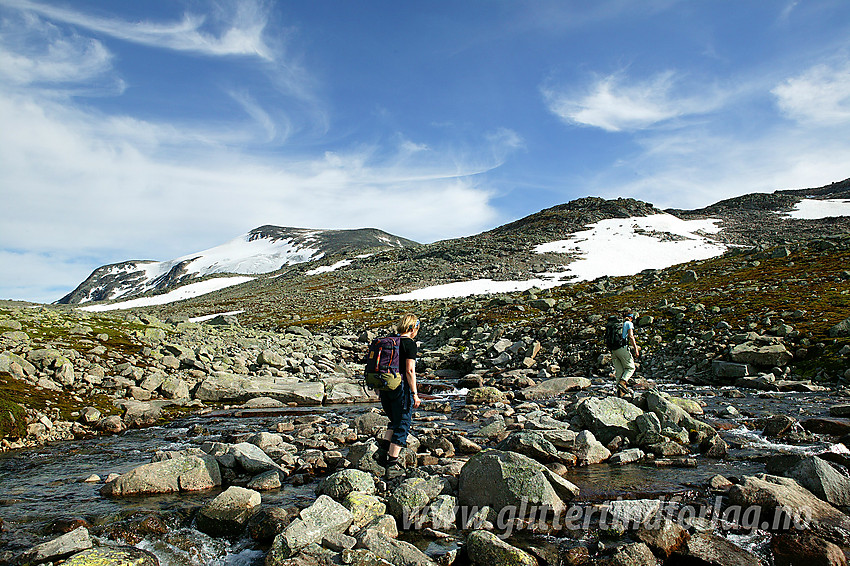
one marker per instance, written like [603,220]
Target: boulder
[338,485]
[173,387]
[635,554]
[407,500]
[364,508]
[265,481]
[229,511]
[588,450]
[609,417]
[113,556]
[712,550]
[770,355]
[669,413]
[790,549]
[663,535]
[485,396]
[324,516]
[499,479]
[840,330]
[819,477]
[531,444]
[778,495]
[272,358]
[348,392]
[486,549]
[59,548]
[233,388]
[396,552]
[553,388]
[251,458]
[184,473]
[730,369]
[137,415]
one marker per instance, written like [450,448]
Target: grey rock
[60,547]
[251,458]
[553,388]
[609,417]
[588,450]
[229,511]
[819,477]
[265,481]
[184,473]
[635,554]
[396,552]
[531,444]
[771,355]
[486,549]
[498,479]
[113,555]
[235,388]
[339,484]
[713,550]
[324,516]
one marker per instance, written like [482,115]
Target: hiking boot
[394,470]
[622,390]
[382,453]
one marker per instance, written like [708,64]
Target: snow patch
[612,247]
[329,268]
[212,316]
[184,292]
[813,209]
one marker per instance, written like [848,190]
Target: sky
[149,130]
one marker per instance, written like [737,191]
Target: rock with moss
[324,516]
[364,508]
[485,396]
[609,417]
[229,511]
[183,473]
[113,555]
[500,479]
[339,484]
[486,549]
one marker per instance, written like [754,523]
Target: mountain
[262,250]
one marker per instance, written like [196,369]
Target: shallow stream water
[44,486]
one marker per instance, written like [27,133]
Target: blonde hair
[406,323]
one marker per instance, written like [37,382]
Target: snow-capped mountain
[262,250]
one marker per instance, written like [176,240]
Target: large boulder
[770,355]
[338,485]
[842,329]
[252,458]
[588,450]
[347,392]
[323,517]
[61,547]
[229,511]
[778,495]
[609,417]
[553,387]
[819,477]
[499,479]
[486,549]
[711,550]
[531,444]
[397,552]
[233,388]
[182,473]
[485,396]
[670,413]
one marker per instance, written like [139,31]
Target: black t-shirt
[407,352]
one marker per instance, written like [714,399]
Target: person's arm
[411,380]
[632,341]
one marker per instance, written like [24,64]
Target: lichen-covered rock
[364,508]
[229,511]
[485,396]
[339,484]
[185,473]
[498,479]
[486,549]
[324,516]
[609,417]
[113,556]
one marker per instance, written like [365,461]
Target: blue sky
[148,130]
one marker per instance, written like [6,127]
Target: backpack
[382,364]
[614,334]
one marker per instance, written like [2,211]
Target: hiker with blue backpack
[391,371]
[618,338]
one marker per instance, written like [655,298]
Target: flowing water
[43,487]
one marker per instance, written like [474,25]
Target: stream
[43,489]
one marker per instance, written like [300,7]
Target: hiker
[618,339]
[398,404]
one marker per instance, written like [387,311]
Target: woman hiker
[398,404]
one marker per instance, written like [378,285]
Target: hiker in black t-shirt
[398,404]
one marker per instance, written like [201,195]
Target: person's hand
[416,401]
[637,350]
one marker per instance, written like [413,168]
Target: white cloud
[237,32]
[820,95]
[611,104]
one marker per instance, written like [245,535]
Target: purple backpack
[382,364]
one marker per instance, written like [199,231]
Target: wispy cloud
[238,31]
[614,104]
[819,95]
